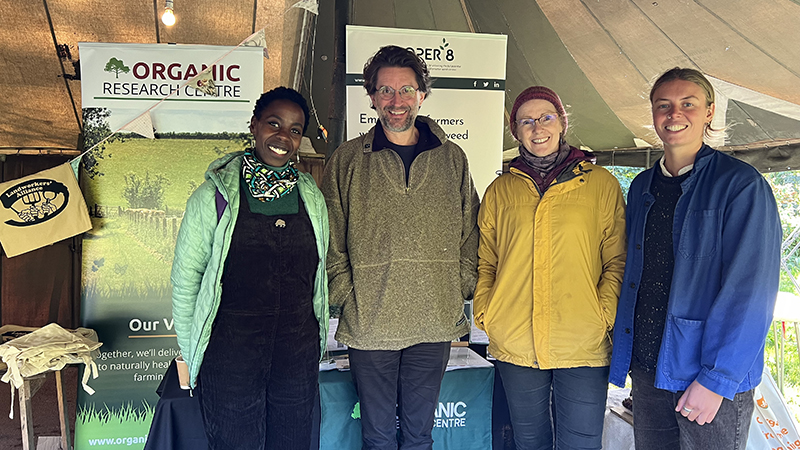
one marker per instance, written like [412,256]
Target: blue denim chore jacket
[727,246]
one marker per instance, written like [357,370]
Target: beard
[390,123]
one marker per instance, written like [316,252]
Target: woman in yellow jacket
[550,265]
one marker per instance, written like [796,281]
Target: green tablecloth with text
[463,419]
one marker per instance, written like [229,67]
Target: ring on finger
[686,409]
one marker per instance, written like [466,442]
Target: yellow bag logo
[35,201]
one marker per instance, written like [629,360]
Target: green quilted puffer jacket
[202,247]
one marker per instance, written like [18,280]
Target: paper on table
[460,358]
[333,345]
[476,335]
[465,358]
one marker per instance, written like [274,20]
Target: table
[30,385]
[463,419]
[54,348]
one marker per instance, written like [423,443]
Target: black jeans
[657,425]
[561,406]
[259,380]
[399,385]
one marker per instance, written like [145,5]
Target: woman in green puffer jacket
[250,296]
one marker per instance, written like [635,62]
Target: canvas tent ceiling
[39,102]
[599,55]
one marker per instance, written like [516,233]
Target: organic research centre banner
[136,191]
[468,93]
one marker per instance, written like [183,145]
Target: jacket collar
[431,136]
[225,170]
[573,166]
[701,160]
[703,157]
[225,173]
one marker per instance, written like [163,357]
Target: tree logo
[35,201]
[444,45]
[116,66]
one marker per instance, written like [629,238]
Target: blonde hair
[696,77]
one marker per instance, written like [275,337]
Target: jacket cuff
[717,384]
[336,306]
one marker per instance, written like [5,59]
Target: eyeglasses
[387,93]
[543,120]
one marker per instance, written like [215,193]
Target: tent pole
[338,99]
[301,52]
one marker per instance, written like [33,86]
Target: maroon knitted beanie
[541,93]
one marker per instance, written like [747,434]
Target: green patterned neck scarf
[264,183]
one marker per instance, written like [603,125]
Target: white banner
[137,190]
[129,79]
[468,93]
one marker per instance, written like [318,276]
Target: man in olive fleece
[403,253]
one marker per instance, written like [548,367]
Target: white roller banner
[468,93]
[153,137]
[130,79]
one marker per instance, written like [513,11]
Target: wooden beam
[39,151]
[766,156]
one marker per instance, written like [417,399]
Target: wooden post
[63,415]
[26,415]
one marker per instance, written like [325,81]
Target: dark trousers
[657,425]
[259,380]
[568,404]
[404,385]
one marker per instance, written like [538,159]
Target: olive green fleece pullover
[402,257]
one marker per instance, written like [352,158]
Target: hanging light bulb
[168,18]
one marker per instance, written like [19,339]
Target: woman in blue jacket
[250,298]
[700,282]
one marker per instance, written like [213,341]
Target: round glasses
[543,120]
[387,93]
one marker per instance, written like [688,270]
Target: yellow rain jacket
[550,267]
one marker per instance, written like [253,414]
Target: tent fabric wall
[600,56]
[40,107]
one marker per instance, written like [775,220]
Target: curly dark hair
[282,93]
[394,56]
